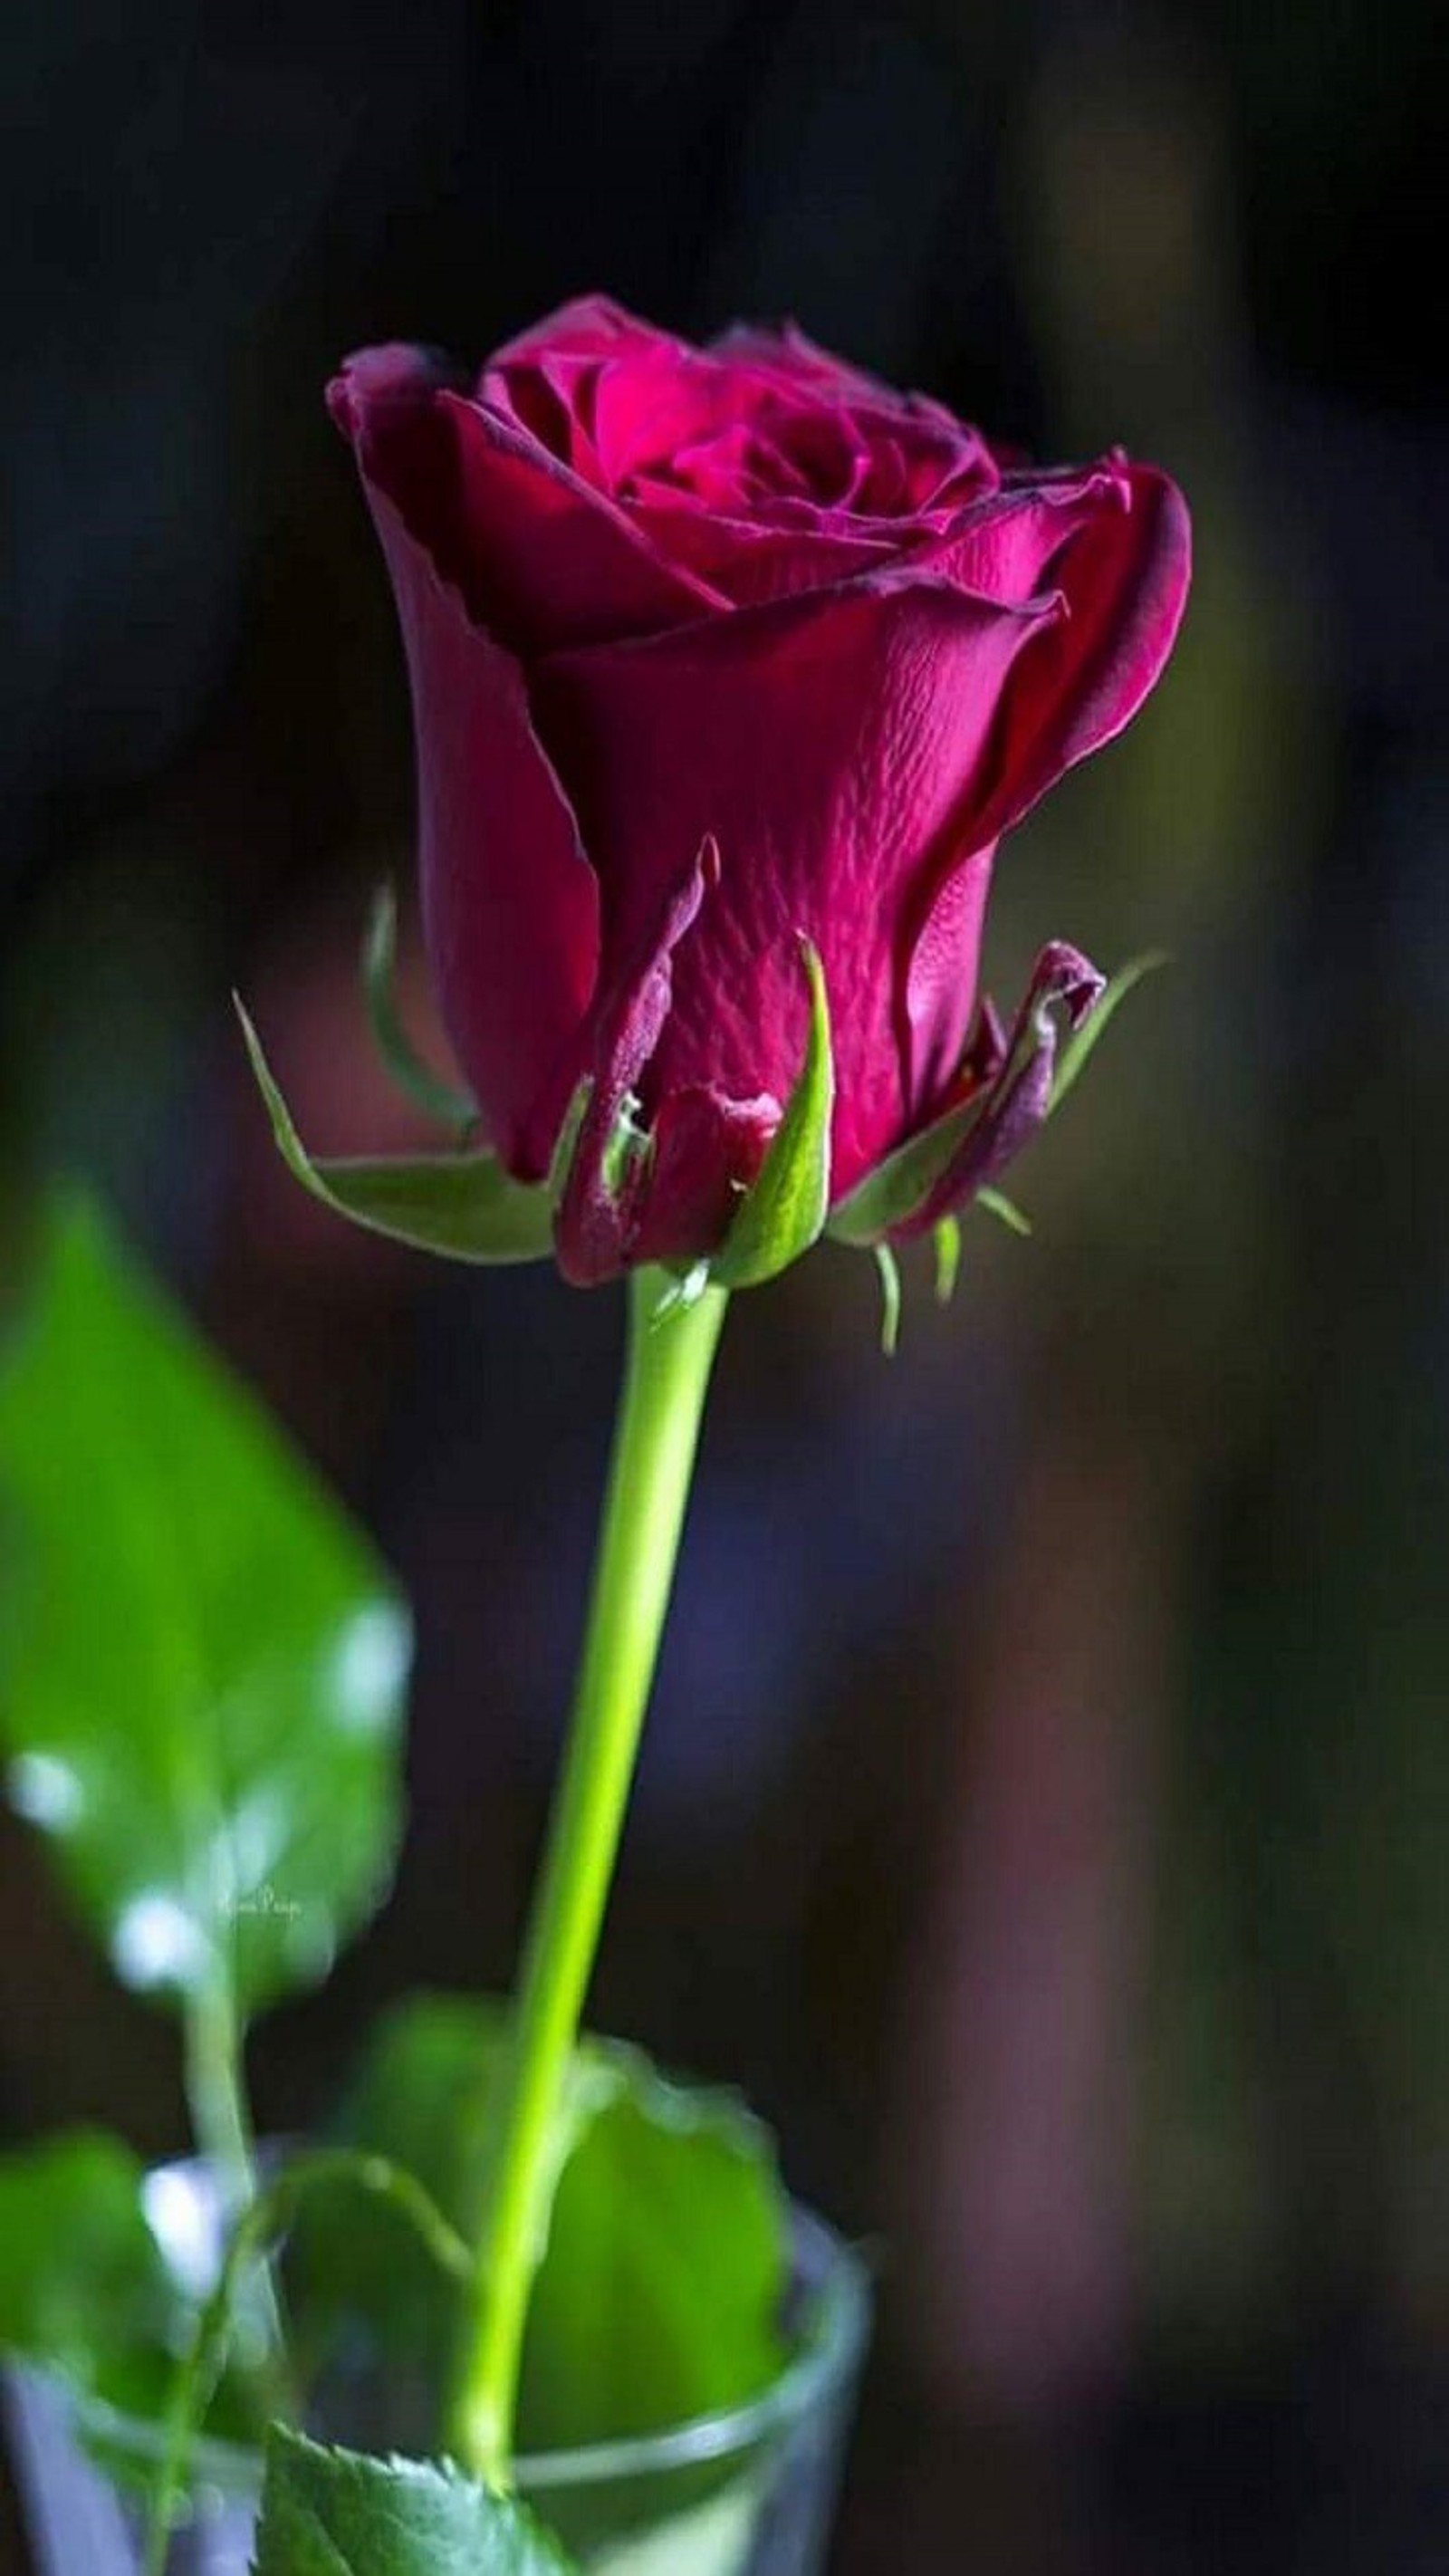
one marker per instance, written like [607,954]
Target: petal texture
[834,747]
[510,904]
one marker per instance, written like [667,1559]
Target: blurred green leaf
[202,1664]
[1094,1027]
[783,1214]
[83,2287]
[333,2513]
[661,2286]
[87,2295]
[464,1206]
[661,2292]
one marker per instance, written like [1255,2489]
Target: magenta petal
[589,325]
[1123,573]
[705,1151]
[941,981]
[563,563]
[509,900]
[832,744]
[1020,1089]
[783,351]
[598,1213]
[1007,545]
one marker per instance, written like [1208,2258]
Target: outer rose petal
[1009,544]
[1124,575]
[587,326]
[1115,539]
[940,983]
[510,905]
[832,745]
[784,351]
[1017,1088]
[598,1213]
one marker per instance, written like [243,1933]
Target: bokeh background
[1044,1814]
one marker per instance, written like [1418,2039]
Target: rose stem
[221,2125]
[656,1434]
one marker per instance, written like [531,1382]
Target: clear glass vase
[746,2493]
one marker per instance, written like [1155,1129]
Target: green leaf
[429,1090]
[334,2513]
[1005,1210]
[464,1206]
[202,1664]
[784,1213]
[1094,1027]
[413,2100]
[890,1297]
[83,2287]
[660,2294]
[660,2288]
[946,1235]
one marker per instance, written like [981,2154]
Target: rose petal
[832,744]
[705,1151]
[598,1213]
[1020,1089]
[940,984]
[509,899]
[1008,545]
[1123,573]
[562,562]
[753,562]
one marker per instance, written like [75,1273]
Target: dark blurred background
[1044,1815]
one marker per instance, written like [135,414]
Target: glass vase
[750,2492]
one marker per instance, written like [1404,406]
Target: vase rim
[833,2269]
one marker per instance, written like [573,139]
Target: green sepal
[428,1090]
[566,1144]
[946,1236]
[784,1212]
[1114,993]
[464,1206]
[336,2513]
[890,1299]
[897,1187]
[1005,1210]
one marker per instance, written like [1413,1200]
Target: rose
[709,649]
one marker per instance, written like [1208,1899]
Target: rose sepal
[462,1205]
[1015,1083]
[784,1213]
[1093,1028]
[427,1089]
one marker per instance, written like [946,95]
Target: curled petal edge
[602,1203]
[939,1170]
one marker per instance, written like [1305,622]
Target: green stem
[221,2126]
[265,2220]
[671,1349]
[216,2097]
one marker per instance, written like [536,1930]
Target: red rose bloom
[711,648]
